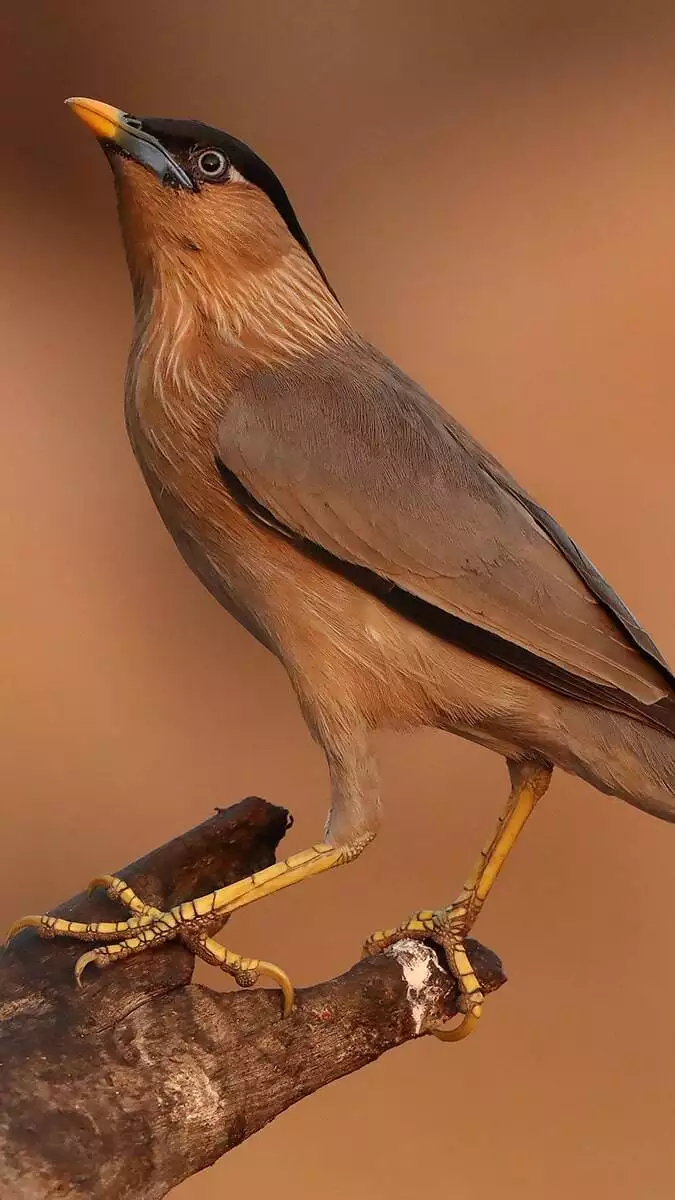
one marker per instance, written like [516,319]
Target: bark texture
[123,1089]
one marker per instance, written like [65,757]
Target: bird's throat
[190,316]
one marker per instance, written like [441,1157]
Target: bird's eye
[212,163]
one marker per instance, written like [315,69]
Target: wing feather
[349,455]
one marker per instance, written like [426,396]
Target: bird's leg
[194,921]
[190,920]
[449,926]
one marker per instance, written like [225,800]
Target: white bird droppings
[416,961]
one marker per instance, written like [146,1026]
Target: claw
[279,976]
[82,963]
[458,1032]
[101,881]
[32,922]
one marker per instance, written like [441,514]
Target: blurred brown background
[491,188]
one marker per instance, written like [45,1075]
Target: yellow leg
[449,926]
[529,781]
[191,920]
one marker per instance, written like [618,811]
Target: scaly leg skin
[149,927]
[450,926]
[353,823]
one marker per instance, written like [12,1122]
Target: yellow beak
[131,139]
[103,120]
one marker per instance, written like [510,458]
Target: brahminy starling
[400,574]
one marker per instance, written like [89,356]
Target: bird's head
[199,204]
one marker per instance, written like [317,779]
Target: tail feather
[620,756]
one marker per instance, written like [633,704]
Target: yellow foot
[190,922]
[446,927]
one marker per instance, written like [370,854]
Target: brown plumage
[243,357]
[400,574]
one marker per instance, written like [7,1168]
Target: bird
[400,574]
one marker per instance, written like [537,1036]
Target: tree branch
[123,1089]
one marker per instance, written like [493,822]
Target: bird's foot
[447,927]
[190,922]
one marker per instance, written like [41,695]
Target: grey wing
[349,455]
